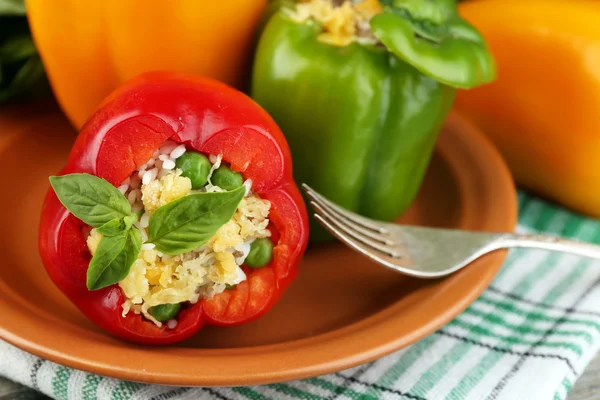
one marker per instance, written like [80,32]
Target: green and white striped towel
[529,336]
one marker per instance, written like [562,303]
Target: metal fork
[427,252]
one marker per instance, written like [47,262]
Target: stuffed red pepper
[176,208]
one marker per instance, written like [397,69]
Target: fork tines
[358,232]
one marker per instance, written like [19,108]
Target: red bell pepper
[123,134]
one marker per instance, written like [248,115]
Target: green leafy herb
[21,69]
[187,223]
[91,199]
[113,227]
[99,204]
[131,219]
[117,226]
[165,312]
[113,259]
[177,227]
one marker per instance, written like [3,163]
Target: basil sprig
[116,226]
[113,259]
[187,223]
[91,199]
[102,206]
[175,228]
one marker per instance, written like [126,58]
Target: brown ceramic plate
[342,310]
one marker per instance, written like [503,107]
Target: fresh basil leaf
[91,199]
[130,220]
[113,227]
[113,259]
[187,223]
[117,226]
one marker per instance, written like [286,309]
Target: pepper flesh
[361,120]
[103,43]
[208,117]
[542,113]
[433,38]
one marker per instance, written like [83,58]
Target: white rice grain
[144,235]
[148,246]
[177,152]
[244,249]
[248,185]
[215,159]
[132,196]
[168,164]
[153,174]
[172,324]
[216,163]
[241,276]
[149,176]
[145,220]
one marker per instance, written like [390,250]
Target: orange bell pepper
[543,111]
[90,47]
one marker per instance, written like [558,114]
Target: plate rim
[280,364]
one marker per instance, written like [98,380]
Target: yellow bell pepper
[90,47]
[543,111]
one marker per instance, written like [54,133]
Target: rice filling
[343,21]
[155,278]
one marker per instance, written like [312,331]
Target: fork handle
[549,243]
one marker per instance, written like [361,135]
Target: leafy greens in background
[12,7]
[21,69]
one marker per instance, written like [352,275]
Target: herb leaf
[187,223]
[117,226]
[130,220]
[113,258]
[91,199]
[113,227]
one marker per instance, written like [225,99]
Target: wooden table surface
[586,388]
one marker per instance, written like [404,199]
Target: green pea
[194,166]
[227,179]
[165,312]
[261,253]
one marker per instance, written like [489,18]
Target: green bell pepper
[362,119]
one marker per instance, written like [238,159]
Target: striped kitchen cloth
[529,336]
